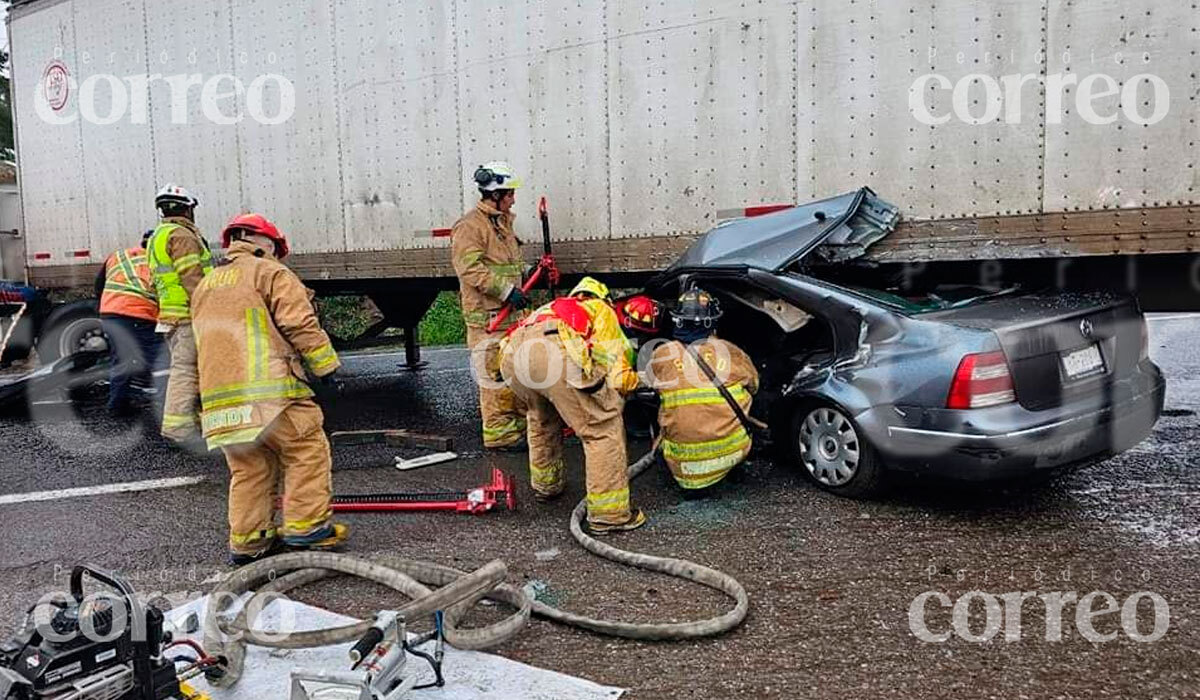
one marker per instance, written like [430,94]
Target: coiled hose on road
[454,591]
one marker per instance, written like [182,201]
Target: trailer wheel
[72,328]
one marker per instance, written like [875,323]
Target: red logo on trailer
[56,85]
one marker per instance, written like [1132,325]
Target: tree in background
[7,147]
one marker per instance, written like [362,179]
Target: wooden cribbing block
[394,438]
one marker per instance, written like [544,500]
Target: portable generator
[106,647]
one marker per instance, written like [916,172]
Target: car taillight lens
[981,380]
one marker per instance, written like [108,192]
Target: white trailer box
[356,124]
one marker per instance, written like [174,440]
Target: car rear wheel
[833,452]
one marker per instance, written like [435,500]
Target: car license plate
[1083,362]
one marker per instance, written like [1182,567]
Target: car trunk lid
[1059,347]
[832,230]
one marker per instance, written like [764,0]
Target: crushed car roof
[834,229]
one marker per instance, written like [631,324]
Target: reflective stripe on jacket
[702,438]
[256,332]
[591,335]
[487,260]
[129,286]
[178,257]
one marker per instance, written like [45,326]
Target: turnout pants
[180,417]
[292,452]
[533,361]
[503,414]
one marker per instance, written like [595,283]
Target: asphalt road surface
[831,580]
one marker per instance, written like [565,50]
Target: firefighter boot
[329,537]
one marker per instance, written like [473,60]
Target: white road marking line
[83,491]
[1176,317]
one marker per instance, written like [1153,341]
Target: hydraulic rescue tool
[545,265]
[449,594]
[377,665]
[104,647]
[475,501]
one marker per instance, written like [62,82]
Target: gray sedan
[962,381]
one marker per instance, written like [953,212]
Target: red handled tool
[545,265]
[476,501]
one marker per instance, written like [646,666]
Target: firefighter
[487,261]
[257,332]
[702,437]
[569,362]
[129,315]
[179,258]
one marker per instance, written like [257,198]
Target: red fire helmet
[259,224]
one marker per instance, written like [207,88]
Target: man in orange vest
[128,315]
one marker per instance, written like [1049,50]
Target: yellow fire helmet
[592,286]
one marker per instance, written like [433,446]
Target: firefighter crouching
[569,362]
[257,332]
[702,437]
[129,316]
[487,260]
[179,258]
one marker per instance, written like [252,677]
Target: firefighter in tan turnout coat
[487,260]
[257,332]
[702,437]
[571,363]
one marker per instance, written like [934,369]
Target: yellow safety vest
[173,302]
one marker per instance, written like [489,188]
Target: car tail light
[981,380]
[1145,352]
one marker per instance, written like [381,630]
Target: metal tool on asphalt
[102,647]
[401,438]
[378,661]
[499,491]
[279,574]
[544,266]
[424,460]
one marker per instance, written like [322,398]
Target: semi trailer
[1047,142]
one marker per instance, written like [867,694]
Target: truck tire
[71,328]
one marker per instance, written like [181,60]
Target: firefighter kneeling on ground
[257,331]
[570,363]
[702,437]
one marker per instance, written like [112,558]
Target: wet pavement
[831,580]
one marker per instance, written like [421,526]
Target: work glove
[517,299]
[333,383]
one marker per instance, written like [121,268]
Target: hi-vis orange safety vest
[129,286]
